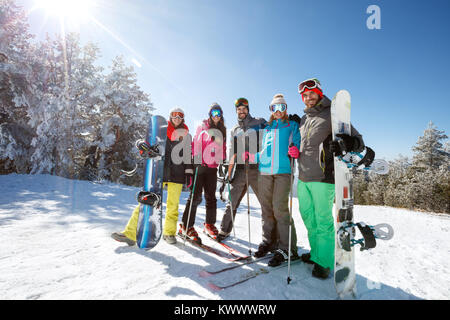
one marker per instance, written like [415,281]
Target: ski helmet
[241,102]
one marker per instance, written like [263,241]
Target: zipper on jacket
[273,149]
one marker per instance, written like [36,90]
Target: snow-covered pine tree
[67,106]
[125,116]
[15,133]
[429,179]
[429,151]
[396,190]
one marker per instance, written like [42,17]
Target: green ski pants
[316,208]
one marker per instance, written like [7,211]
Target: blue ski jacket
[273,157]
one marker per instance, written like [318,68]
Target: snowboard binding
[346,235]
[367,162]
[146,150]
[149,198]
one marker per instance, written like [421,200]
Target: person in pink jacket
[208,150]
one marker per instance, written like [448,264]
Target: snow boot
[170,239]
[210,230]
[306,258]
[320,272]
[263,249]
[281,256]
[191,234]
[119,236]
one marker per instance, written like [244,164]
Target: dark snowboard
[149,228]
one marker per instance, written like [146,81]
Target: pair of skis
[228,283]
[230,253]
[239,260]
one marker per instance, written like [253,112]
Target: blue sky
[195,52]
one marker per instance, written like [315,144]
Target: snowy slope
[55,244]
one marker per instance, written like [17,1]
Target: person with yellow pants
[176,173]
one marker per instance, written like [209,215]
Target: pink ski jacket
[208,146]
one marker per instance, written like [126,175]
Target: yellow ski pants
[170,222]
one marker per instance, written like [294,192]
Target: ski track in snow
[55,244]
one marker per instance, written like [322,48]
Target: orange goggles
[241,102]
[178,115]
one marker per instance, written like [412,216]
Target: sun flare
[77,9]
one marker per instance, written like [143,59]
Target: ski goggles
[241,102]
[309,84]
[216,113]
[282,107]
[177,115]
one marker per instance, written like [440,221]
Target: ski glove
[247,156]
[294,117]
[345,144]
[293,152]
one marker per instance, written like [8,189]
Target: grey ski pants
[238,189]
[274,199]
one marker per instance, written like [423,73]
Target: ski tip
[214,287]
[204,274]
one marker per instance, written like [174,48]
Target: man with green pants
[316,175]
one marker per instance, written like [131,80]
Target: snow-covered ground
[55,244]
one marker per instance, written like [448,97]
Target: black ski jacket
[177,163]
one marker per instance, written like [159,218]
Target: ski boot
[263,249]
[149,198]
[191,234]
[306,258]
[282,256]
[222,235]
[320,272]
[211,231]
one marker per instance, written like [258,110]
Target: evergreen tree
[428,151]
[15,133]
[125,116]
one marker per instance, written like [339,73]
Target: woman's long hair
[285,118]
[220,126]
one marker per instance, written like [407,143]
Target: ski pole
[290,223]
[229,199]
[248,202]
[190,204]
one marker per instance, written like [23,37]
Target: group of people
[259,154]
